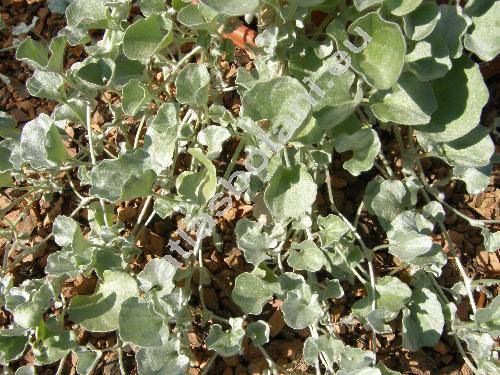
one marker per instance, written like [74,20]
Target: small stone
[456,237]
[232,361]
[441,348]
[240,370]
[257,366]
[338,183]
[127,214]
[276,323]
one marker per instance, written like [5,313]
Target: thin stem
[90,135]
[209,364]
[60,368]
[386,164]
[444,301]
[178,66]
[368,256]
[35,248]
[139,130]
[442,228]
[287,160]
[380,247]
[120,361]
[9,48]
[270,362]
[142,214]
[6,252]
[234,159]
[93,157]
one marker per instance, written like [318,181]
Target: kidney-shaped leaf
[162,360]
[226,343]
[290,193]
[282,101]
[381,62]
[231,7]
[193,85]
[411,102]
[461,95]
[146,36]
[250,293]
[484,39]
[128,177]
[41,144]
[253,241]
[306,256]
[420,23]
[139,324]
[423,322]
[301,308]
[451,27]
[99,312]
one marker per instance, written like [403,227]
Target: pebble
[231,361]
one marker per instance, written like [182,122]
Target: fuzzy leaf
[99,312]
[282,101]
[381,62]
[385,199]
[365,145]
[420,23]
[250,293]
[213,137]
[332,229]
[41,144]
[326,345]
[252,241]
[484,39]
[459,113]
[391,296]
[139,324]
[410,103]
[193,85]
[128,177]
[158,274]
[401,7]
[305,256]
[451,27]
[147,36]
[33,52]
[301,308]
[162,360]
[135,97]
[232,8]
[47,85]
[429,59]
[226,343]
[87,13]
[290,193]
[258,332]
[161,136]
[363,4]
[12,344]
[423,321]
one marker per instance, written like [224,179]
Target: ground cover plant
[191,171]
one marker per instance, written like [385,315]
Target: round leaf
[461,95]
[250,293]
[145,37]
[99,312]
[231,7]
[139,324]
[290,193]
[410,103]
[381,62]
